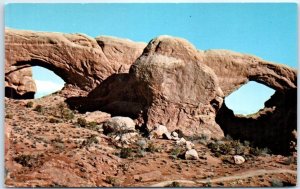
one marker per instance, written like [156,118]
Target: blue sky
[262,29]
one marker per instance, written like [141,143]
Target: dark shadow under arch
[271,127]
[12,93]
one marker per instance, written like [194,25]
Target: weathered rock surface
[170,84]
[19,84]
[119,124]
[178,88]
[191,154]
[235,69]
[78,59]
[271,127]
[238,159]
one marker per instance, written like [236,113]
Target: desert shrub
[225,148]
[93,125]
[82,122]
[67,114]
[58,139]
[54,120]
[178,152]
[90,140]
[259,151]
[29,104]
[214,147]
[276,183]
[27,160]
[38,108]
[9,116]
[246,143]
[111,180]
[174,185]
[152,148]
[126,152]
[228,138]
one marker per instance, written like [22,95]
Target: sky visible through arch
[267,30]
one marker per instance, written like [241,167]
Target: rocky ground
[49,145]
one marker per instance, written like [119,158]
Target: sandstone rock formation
[174,84]
[271,127]
[78,59]
[19,84]
[170,82]
[235,69]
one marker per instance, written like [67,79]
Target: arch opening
[249,98]
[47,82]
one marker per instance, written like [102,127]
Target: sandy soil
[44,149]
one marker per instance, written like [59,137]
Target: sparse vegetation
[82,122]
[111,180]
[126,152]
[178,152]
[58,143]
[228,146]
[276,183]
[9,116]
[39,108]
[152,148]
[174,185]
[29,104]
[90,140]
[27,160]
[54,120]
[67,114]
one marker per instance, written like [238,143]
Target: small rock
[174,134]
[238,159]
[191,155]
[118,124]
[158,131]
[181,141]
[128,137]
[189,145]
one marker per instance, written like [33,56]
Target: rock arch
[79,59]
[271,127]
[165,95]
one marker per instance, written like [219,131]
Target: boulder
[159,131]
[97,116]
[191,155]
[77,58]
[178,88]
[238,159]
[119,124]
[19,84]
[189,145]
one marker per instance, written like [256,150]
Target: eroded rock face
[168,84]
[19,84]
[179,89]
[235,69]
[173,84]
[78,59]
[271,127]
